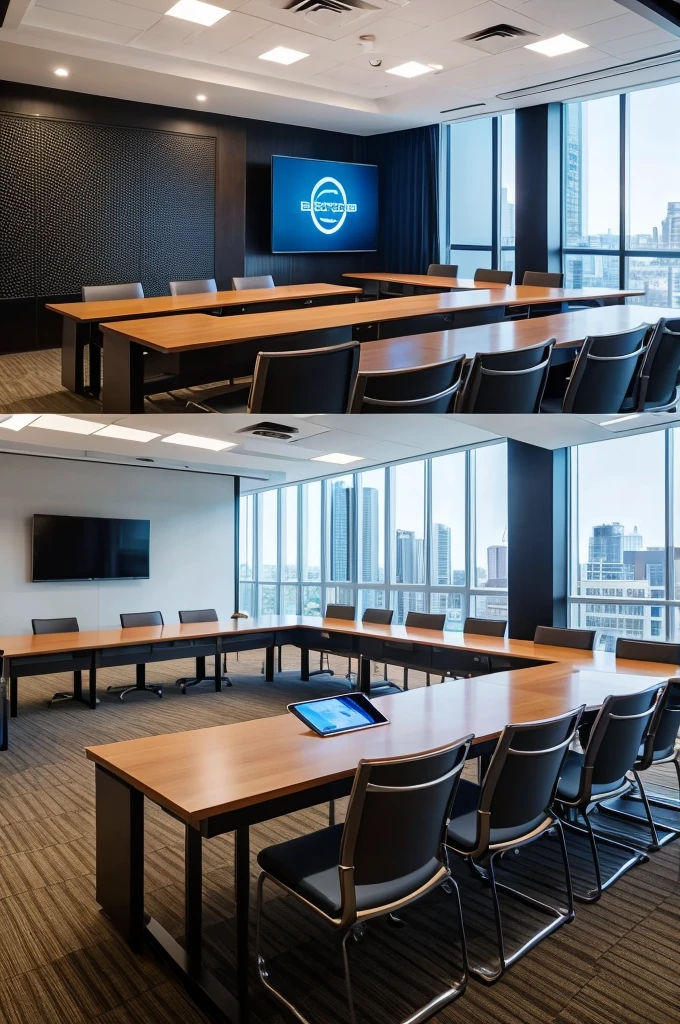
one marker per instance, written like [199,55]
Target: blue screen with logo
[323,206]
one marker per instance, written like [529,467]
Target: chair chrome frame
[360,398]
[351,919]
[487,973]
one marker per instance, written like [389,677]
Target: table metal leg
[123,376]
[365,675]
[304,664]
[120,856]
[269,665]
[75,336]
[242,918]
[4,707]
[193,896]
[93,684]
[13,696]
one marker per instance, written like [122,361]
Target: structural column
[538,189]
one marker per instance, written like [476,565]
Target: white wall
[192,557]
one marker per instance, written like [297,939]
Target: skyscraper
[670,227]
[575,217]
[370,535]
[606,543]
[341,530]
[497,566]
[633,541]
[410,568]
[442,554]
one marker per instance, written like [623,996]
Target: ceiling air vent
[332,13]
[498,38]
[273,431]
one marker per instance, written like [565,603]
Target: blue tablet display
[338,714]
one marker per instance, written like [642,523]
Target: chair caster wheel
[359,933]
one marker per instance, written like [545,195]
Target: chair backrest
[442,270]
[648,650]
[129,619]
[241,284]
[341,611]
[604,371]
[207,284]
[382,616]
[485,627]
[557,636]
[408,798]
[426,620]
[292,382]
[615,740]
[539,279]
[54,626]
[511,382]
[421,389]
[494,276]
[663,727]
[199,615]
[660,367]
[520,782]
[103,292]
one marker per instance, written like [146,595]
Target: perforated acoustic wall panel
[102,204]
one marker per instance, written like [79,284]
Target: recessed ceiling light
[337,458]
[556,46]
[619,419]
[197,11]
[67,424]
[201,97]
[195,441]
[410,70]
[19,420]
[283,55]
[61,72]
[126,433]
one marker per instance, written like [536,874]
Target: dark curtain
[408,163]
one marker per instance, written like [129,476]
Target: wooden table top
[426,281]
[184,332]
[569,329]
[114,309]
[204,772]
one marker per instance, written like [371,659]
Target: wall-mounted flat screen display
[87,548]
[323,206]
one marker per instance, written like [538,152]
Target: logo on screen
[328,206]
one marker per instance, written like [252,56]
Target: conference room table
[227,778]
[410,283]
[195,348]
[80,318]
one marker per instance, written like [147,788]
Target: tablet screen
[338,714]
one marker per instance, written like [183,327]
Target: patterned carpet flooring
[61,962]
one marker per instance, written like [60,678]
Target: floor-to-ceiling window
[479,218]
[425,535]
[625,576]
[621,193]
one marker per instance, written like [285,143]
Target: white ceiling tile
[653,37]
[105,10]
[327,28]
[564,16]
[484,16]
[429,12]
[225,33]
[276,35]
[167,32]
[603,32]
[73,24]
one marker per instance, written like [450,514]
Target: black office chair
[512,808]
[557,636]
[57,663]
[423,620]
[604,373]
[387,855]
[205,285]
[333,611]
[537,279]
[241,284]
[295,382]
[648,650]
[382,617]
[102,293]
[658,748]
[507,381]
[129,620]
[442,270]
[206,649]
[485,627]
[599,773]
[494,276]
[658,387]
[421,389]
[471,664]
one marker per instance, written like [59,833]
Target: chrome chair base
[636,857]
[636,806]
[123,691]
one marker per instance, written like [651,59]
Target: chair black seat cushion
[309,866]
[570,780]
[462,833]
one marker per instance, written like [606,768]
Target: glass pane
[340,595]
[371,599]
[289,533]
[489,606]
[654,192]
[453,605]
[311,531]
[447,555]
[311,600]
[660,279]
[247,598]
[268,543]
[586,271]
[246,539]
[491,516]
[405,601]
[289,600]
[408,519]
[267,599]
[471,181]
[508,259]
[371,549]
[469,260]
[508,182]
[340,501]
[613,619]
[591,174]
